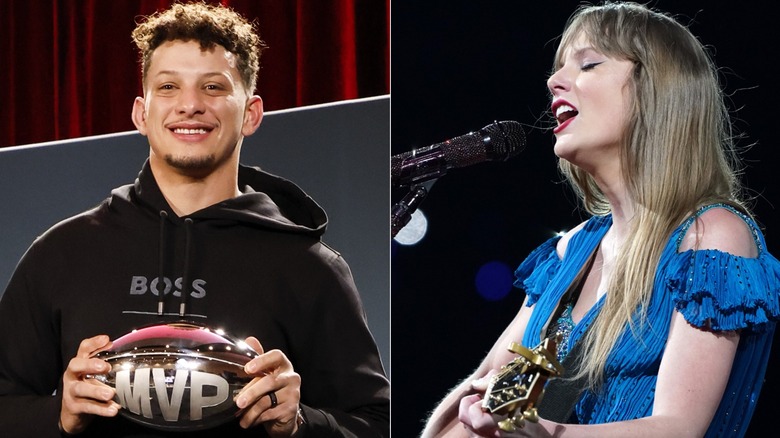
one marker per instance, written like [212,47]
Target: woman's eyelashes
[590,65]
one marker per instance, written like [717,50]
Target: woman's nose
[558,82]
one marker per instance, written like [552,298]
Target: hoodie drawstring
[185,280]
[161,278]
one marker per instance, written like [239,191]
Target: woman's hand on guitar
[475,419]
[484,424]
[470,413]
[481,423]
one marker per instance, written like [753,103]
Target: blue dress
[710,288]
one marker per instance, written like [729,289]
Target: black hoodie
[255,265]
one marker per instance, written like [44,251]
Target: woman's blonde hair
[677,153]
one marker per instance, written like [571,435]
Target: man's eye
[166,87]
[214,87]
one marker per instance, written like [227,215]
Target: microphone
[496,141]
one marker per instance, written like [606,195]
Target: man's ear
[253,116]
[139,114]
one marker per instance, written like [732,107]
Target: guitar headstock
[519,384]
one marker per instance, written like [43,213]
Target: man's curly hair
[207,24]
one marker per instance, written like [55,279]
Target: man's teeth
[190,131]
[562,109]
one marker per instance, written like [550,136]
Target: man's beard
[192,165]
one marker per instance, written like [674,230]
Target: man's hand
[272,397]
[83,397]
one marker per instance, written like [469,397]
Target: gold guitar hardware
[518,387]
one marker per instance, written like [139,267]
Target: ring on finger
[274,401]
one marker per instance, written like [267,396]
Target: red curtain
[69,68]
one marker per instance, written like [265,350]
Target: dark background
[459,65]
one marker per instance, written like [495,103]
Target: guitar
[518,387]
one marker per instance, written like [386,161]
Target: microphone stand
[403,209]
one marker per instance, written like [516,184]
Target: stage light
[414,231]
[494,280]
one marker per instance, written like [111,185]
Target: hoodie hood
[266,200]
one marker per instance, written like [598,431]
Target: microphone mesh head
[503,140]
[497,141]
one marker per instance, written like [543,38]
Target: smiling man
[197,237]
[196,110]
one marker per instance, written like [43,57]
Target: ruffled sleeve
[722,291]
[536,271]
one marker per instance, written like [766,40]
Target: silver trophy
[178,376]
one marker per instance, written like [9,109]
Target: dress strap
[751,223]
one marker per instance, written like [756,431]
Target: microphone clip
[403,209]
